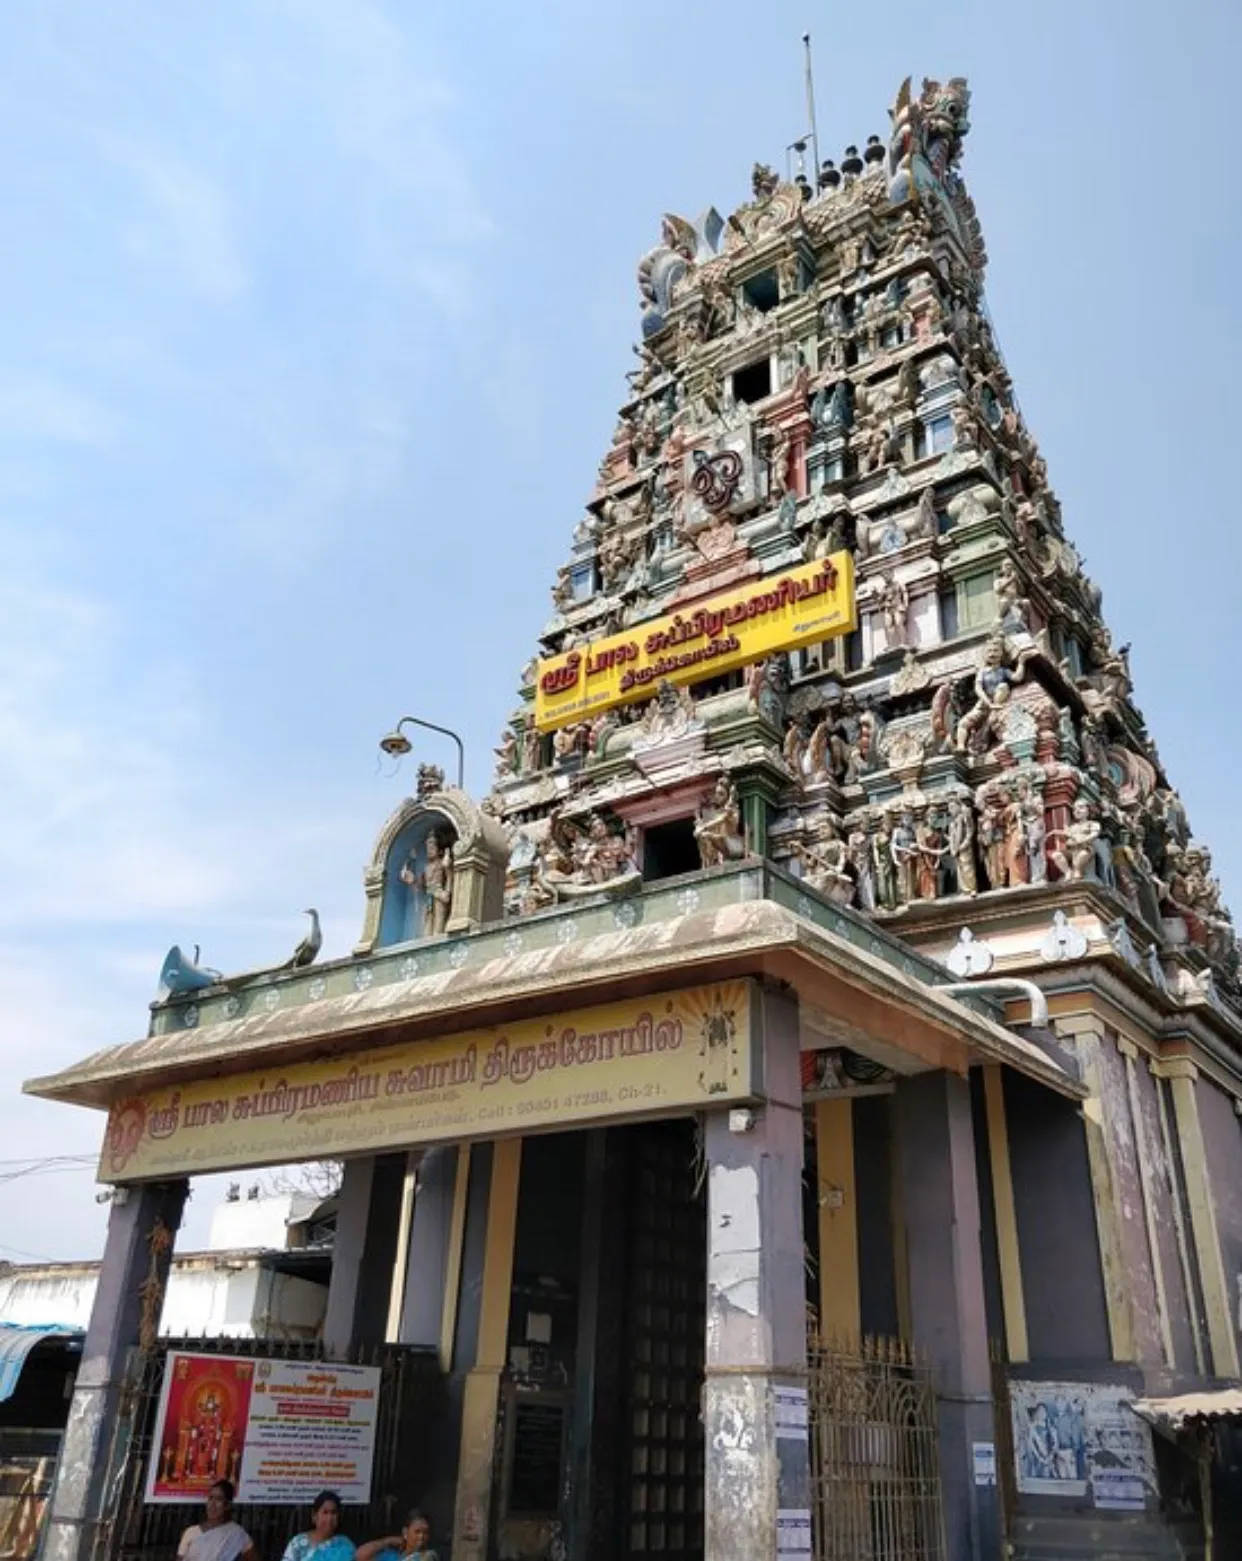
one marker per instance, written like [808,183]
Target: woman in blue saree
[322,1541]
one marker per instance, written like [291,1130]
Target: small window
[1073,655]
[753,383]
[853,651]
[948,614]
[582,581]
[890,336]
[834,471]
[976,602]
[763,291]
[669,849]
[661,539]
[939,433]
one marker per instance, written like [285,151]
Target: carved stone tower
[818,382]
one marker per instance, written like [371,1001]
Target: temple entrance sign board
[639,1057]
[796,607]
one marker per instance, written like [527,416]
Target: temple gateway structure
[798,1106]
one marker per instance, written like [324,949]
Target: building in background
[832,945]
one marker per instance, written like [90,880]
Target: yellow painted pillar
[839,1304]
[452,1267]
[1182,1074]
[1009,1257]
[482,1389]
[1087,1035]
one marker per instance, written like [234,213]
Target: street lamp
[397,744]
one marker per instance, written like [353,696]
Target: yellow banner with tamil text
[640,1057]
[795,607]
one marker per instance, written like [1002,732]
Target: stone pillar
[128,1301]
[757,1477]
[481,1399]
[427,1256]
[367,1224]
[948,1323]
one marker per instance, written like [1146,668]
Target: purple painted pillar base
[132,1280]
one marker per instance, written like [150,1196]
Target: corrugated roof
[1172,1413]
[17,1341]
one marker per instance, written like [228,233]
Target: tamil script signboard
[281,1430]
[639,1057]
[795,607]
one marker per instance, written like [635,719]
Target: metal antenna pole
[810,108]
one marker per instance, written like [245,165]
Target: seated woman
[322,1540]
[413,1543]
[217,1537]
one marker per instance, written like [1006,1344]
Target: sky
[317,316]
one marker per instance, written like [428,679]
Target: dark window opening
[669,849]
[853,651]
[948,613]
[753,383]
[763,291]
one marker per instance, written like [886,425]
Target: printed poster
[281,1430]
[1075,1438]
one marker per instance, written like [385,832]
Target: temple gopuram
[796,1112]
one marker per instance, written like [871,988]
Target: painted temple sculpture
[818,377]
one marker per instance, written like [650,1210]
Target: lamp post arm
[445,731]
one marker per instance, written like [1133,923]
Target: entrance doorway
[600,1436]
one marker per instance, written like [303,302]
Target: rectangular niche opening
[753,383]
[762,291]
[669,849]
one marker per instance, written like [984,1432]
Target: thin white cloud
[35,407]
[188,225]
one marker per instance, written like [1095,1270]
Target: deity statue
[506,755]
[669,714]
[884,865]
[993,685]
[962,845]
[824,865]
[434,882]
[992,840]
[1072,850]
[768,689]
[1016,866]
[903,848]
[779,482]
[718,827]
[858,854]
[931,848]
[604,854]
[895,607]
[847,741]
[1036,834]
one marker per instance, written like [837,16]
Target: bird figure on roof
[310,945]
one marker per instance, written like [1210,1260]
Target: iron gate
[875,1467]
[138,1529]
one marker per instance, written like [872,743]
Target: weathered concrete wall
[1165,1215]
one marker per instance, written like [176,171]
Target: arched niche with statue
[438,868]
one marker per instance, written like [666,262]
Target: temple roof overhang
[857,987]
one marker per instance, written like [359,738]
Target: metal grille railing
[875,1468]
[139,1529]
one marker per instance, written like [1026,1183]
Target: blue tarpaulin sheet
[16,1343]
